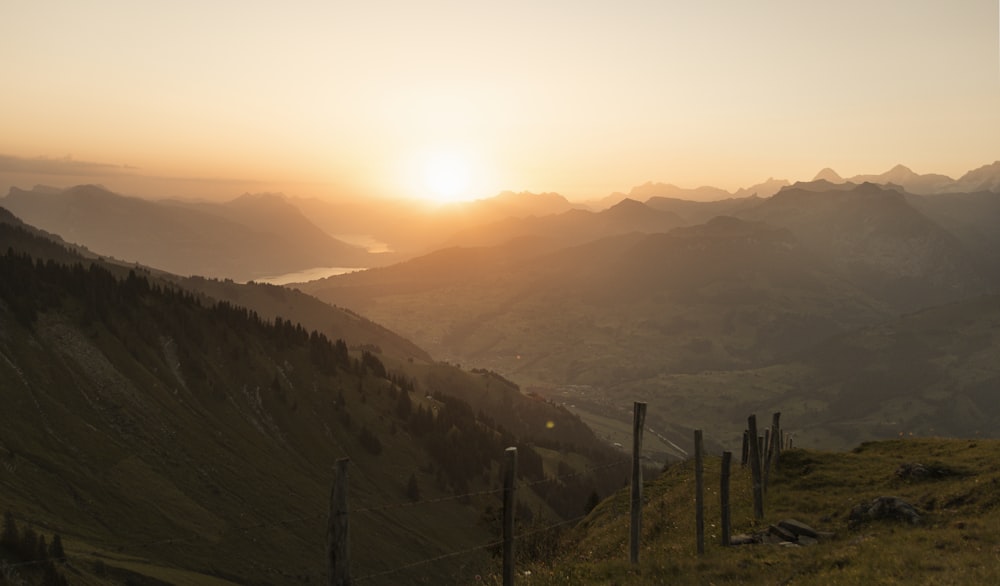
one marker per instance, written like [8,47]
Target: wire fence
[290,521]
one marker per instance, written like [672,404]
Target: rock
[806,540]
[781,533]
[742,539]
[884,507]
[916,471]
[912,471]
[797,528]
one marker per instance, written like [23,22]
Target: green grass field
[957,541]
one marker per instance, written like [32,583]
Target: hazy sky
[580,97]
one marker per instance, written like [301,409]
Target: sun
[447,176]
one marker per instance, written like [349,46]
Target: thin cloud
[64,166]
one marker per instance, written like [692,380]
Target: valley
[171,424]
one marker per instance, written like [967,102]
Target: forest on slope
[158,431]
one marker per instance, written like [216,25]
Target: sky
[467,98]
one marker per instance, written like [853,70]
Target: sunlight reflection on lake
[307,275]
[366,241]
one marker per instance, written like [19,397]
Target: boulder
[781,533]
[798,528]
[884,508]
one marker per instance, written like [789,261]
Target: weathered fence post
[776,435]
[337,533]
[724,496]
[699,499]
[758,495]
[509,485]
[767,449]
[766,459]
[745,451]
[638,419]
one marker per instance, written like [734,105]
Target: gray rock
[742,539]
[781,533]
[884,507]
[797,528]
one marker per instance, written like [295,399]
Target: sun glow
[446,176]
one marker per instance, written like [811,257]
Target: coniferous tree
[56,548]
[29,544]
[412,489]
[370,441]
[41,548]
[404,406]
[10,538]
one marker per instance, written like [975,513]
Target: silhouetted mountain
[765,189]
[973,218]
[650,190]
[909,181]
[572,227]
[828,174]
[187,239]
[820,185]
[520,204]
[721,295]
[410,228]
[877,240]
[985,178]
[699,212]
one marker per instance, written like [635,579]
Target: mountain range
[985,178]
[182,428]
[246,238]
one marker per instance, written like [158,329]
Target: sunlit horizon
[443,101]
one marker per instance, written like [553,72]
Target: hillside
[935,371]
[878,241]
[167,437]
[249,238]
[709,320]
[955,541]
[727,294]
[271,301]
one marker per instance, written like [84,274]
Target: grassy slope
[957,542]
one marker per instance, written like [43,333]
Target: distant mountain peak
[628,203]
[263,195]
[828,174]
[629,208]
[985,178]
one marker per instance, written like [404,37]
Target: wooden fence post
[638,419]
[724,496]
[699,499]
[337,533]
[758,495]
[767,449]
[509,486]
[766,459]
[776,435]
[745,451]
